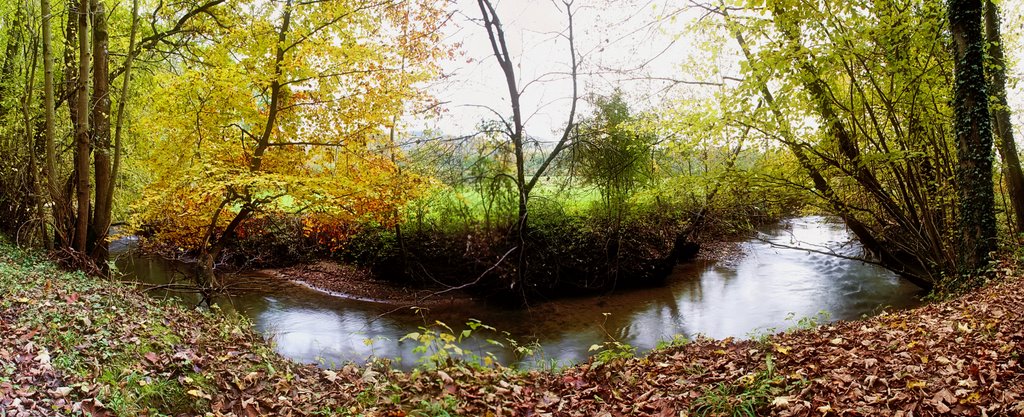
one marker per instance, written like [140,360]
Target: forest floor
[72,344]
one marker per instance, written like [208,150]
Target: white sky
[534,30]
[609,34]
[1013,37]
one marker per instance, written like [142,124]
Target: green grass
[467,204]
[746,397]
[445,407]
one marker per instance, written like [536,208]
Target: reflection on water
[755,293]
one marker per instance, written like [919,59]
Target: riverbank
[71,342]
[353,281]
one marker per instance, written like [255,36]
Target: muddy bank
[351,281]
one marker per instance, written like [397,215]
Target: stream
[770,287]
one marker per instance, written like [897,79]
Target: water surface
[770,287]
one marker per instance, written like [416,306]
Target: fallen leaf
[781,401]
[944,396]
[43,357]
[549,399]
[370,376]
[198,394]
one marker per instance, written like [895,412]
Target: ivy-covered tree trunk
[82,130]
[100,138]
[1001,116]
[10,55]
[62,194]
[974,137]
[51,149]
[27,103]
[13,193]
[126,76]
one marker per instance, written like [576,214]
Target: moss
[101,335]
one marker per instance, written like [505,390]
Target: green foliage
[875,80]
[439,346]
[677,340]
[445,407]
[747,397]
[477,189]
[763,336]
[610,351]
[613,151]
[713,162]
[808,322]
[139,394]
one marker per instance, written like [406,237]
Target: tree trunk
[516,129]
[63,197]
[51,164]
[1001,117]
[82,130]
[212,247]
[30,140]
[496,35]
[913,271]
[125,84]
[101,139]
[211,250]
[7,66]
[974,137]
[275,92]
